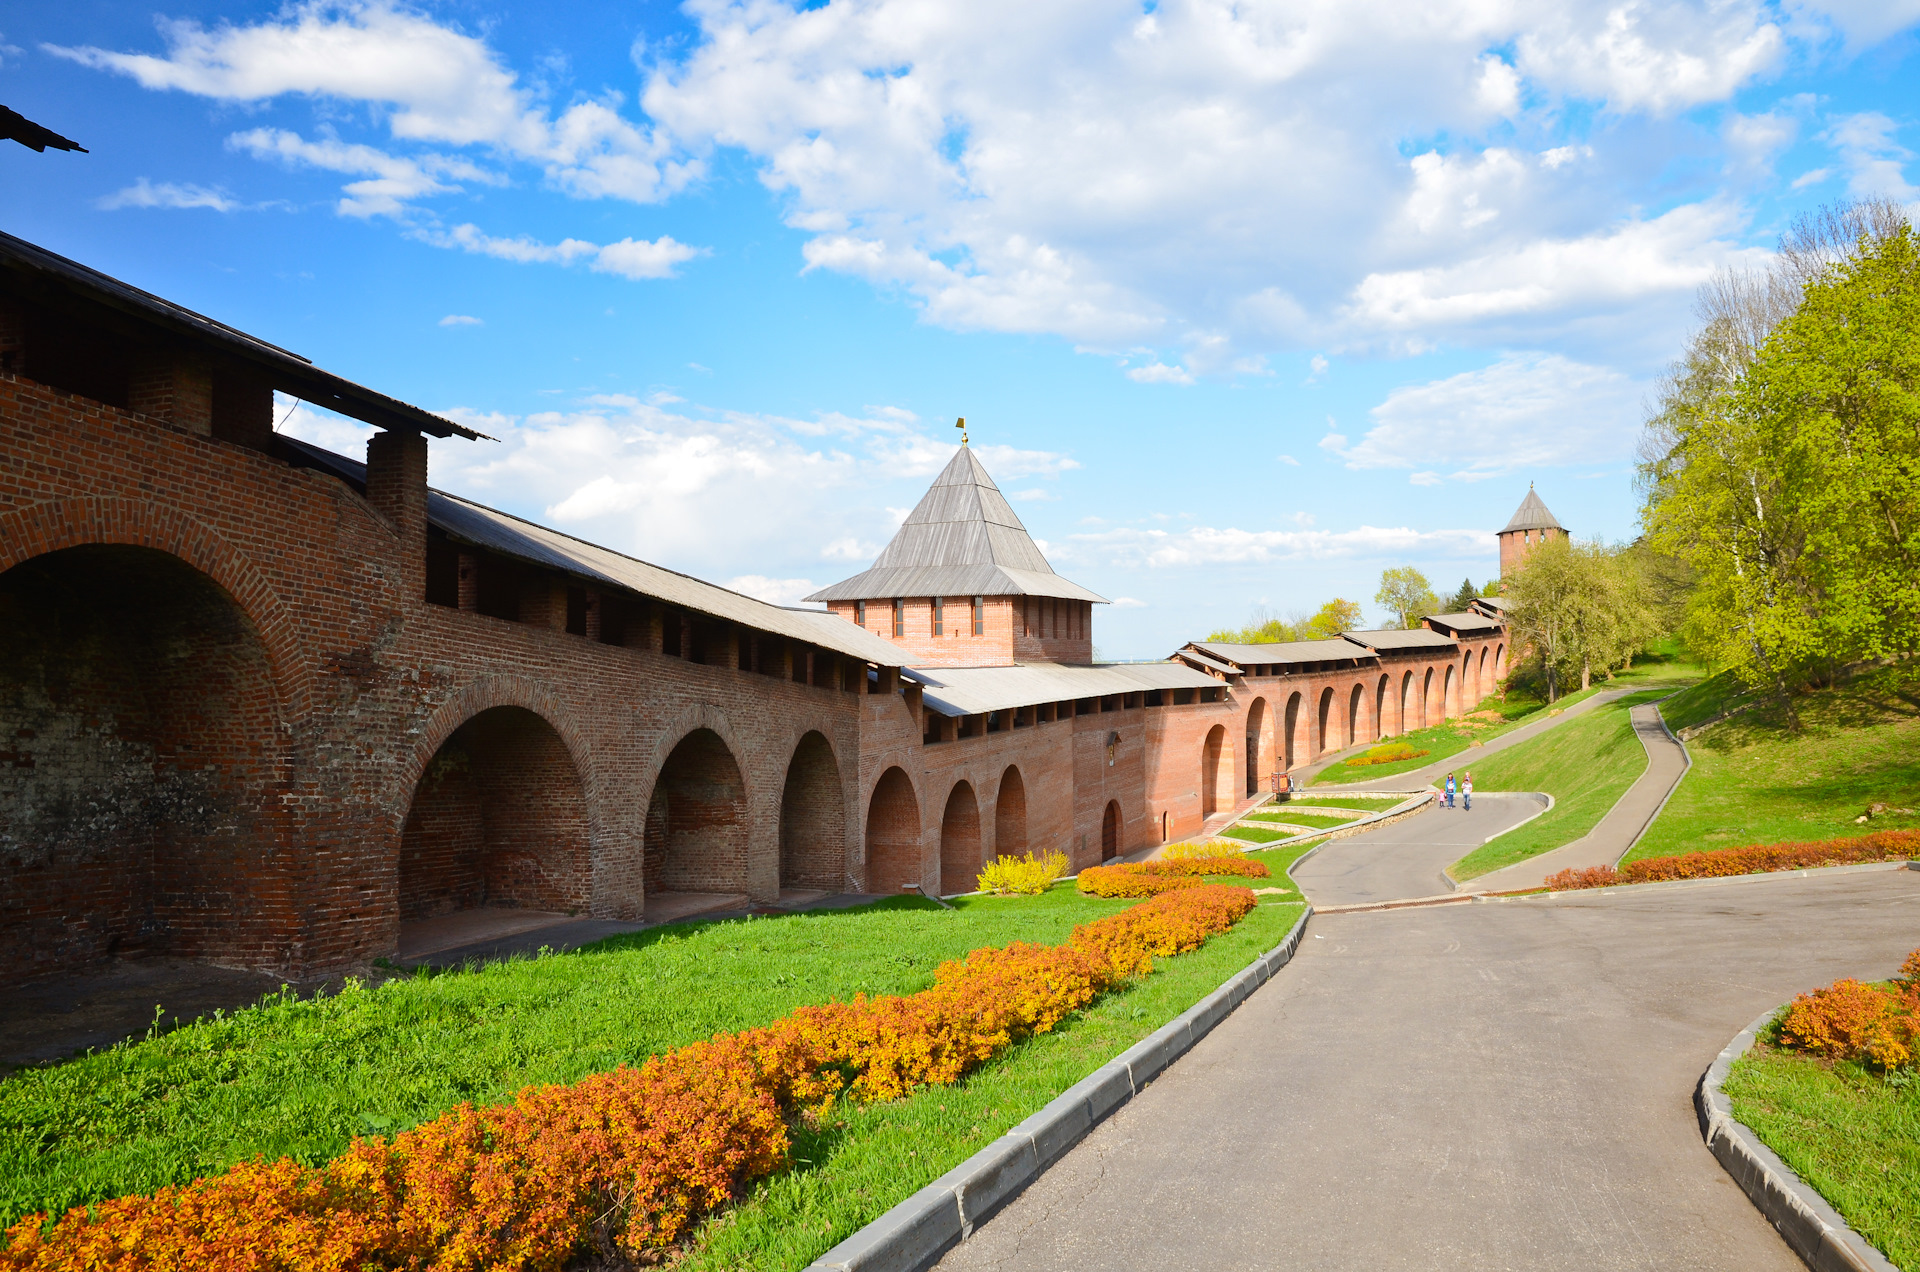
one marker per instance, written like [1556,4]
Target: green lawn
[1586,764]
[1496,716]
[871,1157]
[1847,1132]
[1755,781]
[300,1078]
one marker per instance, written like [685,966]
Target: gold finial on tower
[961,424]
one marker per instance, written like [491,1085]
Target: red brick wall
[1014,629]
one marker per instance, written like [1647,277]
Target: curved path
[1408,858]
[1493,1085]
[1624,823]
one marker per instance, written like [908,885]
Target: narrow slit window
[899,617]
[979,616]
[939,615]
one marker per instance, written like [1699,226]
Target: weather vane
[961,424]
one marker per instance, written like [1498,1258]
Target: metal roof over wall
[1293,651]
[962,691]
[1392,638]
[48,279]
[1468,622]
[511,536]
[962,539]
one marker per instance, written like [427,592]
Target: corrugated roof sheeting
[1532,514]
[1225,669]
[523,540]
[962,539]
[955,580]
[36,271]
[1464,622]
[962,691]
[1296,651]
[1396,638]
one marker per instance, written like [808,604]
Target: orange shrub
[1884,845]
[1150,878]
[1851,1020]
[621,1163]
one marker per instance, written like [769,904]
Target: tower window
[979,616]
[899,617]
[939,615]
[860,613]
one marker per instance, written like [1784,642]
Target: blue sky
[1243,302]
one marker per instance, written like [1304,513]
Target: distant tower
[1532,525]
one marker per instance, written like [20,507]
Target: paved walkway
[1501,1085]
[1407,858]
[1624,823]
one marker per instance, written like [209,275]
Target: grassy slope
[1855,1139]
[301,1078]
[1754,781]
[1455,736]
[1586,764]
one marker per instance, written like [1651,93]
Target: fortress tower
[964,585]
[1532,525]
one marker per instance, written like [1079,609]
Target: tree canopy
[1783,463]
[1581,608]
[1406,593]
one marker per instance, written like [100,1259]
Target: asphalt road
[1496,1085]
[1407,858]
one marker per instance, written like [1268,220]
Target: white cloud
[461,320]
[432,83]
[774,591]
[167,194]
[1159,373]
[629,258]
[1218,178]
[1875,162]
[1812,177]
[1288,460]
[1526,410]
[1033,496]
[1128,602]
[1864,22]
[1210,545]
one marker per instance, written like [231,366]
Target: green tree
[1263,628]
[1580,608]
[1331,619]
[1783,464]
[1467,595]
[1406,592]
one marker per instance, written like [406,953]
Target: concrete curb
[1464,898]
[1813,1228]
[914,1234]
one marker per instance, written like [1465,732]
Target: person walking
[1449,790]
[1466,791]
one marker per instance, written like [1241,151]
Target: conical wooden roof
[962,539]
[1533,515]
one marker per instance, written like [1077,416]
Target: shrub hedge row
[1151,878]
[621,1165]
[1884,845]
[1852,1020]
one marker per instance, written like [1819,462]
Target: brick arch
[72,523]
[960,850]
[487,693]
[1010,814]
[703,715]
[1259,742]
[890,827]
[813,820]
